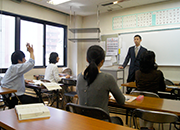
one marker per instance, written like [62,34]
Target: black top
[151,82]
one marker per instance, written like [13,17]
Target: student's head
[53,58]
[18,57]
[147,61]
[95,58]
[137,40]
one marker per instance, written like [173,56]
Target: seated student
[14,77]
[148,78]
[93,86]
[52,72]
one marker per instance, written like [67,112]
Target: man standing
[134,53]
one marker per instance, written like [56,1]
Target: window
[46,37]
[7,39]
[55,43]
[32,33]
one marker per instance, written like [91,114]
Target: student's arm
[116,92]
[31,50]
[162,85]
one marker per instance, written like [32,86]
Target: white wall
[172,73]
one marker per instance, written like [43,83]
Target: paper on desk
[127,98]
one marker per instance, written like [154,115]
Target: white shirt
[137,49]
[52,73]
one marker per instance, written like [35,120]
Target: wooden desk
[59,120]
[133,85]
[151,103]
[6,90]
[38,90]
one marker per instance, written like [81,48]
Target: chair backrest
[94,112]
[176,92]
[145,93]
[69,82]
[155,116]
[168,82]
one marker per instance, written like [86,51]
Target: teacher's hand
[121,67]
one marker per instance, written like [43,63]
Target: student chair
[68,92]
[136,93]
[145,93]
[176,92]
[168,82]
[94,112]
[154,117]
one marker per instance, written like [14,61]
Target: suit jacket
[134,63]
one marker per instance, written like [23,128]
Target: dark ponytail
[95,55]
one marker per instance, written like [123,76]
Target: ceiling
[89,7]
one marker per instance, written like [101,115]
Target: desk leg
[38,93]
[57,100]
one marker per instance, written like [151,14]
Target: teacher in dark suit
[133,54]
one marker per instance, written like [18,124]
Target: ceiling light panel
[56,2]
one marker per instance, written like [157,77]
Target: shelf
[85,30]
[84,39]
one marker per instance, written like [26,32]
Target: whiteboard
[164,43]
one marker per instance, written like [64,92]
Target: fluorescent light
[115,2]
[56,2]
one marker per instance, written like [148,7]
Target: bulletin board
[147,19]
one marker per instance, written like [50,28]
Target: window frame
[18,18]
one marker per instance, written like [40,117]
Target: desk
[38,90]
[59,120]
[6,90]
[151,103]
[133,85]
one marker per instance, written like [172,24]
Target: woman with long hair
[93,86]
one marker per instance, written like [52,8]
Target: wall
[172,73]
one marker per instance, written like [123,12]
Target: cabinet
[86,30]
[118,74]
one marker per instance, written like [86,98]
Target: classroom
[76,51]
[75,57]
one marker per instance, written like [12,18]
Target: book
[49,85]
[32,111]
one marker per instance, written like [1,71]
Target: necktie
[136,51]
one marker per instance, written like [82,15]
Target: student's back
[93,86]
[148,78]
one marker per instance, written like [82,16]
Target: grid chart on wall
[147,19]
